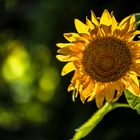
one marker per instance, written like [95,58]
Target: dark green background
[35,104]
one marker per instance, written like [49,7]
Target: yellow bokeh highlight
[48,82]
[17,71]
[17,64]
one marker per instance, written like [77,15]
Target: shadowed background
[34,102]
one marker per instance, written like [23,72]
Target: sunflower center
[104,64]
[106,59]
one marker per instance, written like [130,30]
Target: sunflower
[104,57]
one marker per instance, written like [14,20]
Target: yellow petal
[133,34]
[88,90]
[109,93]
[137,70]
[68,68]
[94,19]
[127,19]
[70,87]
[85,36]
[138,59]
[132,19]
[61,45]
[132,23]
[66,51]
[123,29]
[66,58]
[71,37]
[99,99]
[114,24]
[106,18]
[117,96]
[81,27]
[133,87]
[97,94]
[134,78]
[70,50]
[89,23]
[119,87]
[124,26]
[136,33]
[73,81]
[94,91]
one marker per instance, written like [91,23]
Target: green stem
[92,122]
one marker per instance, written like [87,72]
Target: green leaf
[133,101]
[137,15]
[91,123]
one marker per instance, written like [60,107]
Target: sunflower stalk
[94,120]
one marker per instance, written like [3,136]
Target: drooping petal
[73,82]
[119,87]
[76,87]
[70,87]
[81,27]
[86,81]
[87,91]
[98,94]
[68,68]
[99,99]
[109,92]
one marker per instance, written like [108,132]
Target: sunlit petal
[94,19]
[71,37]
[124,21]
[106,18]
[114,24]
[81,27]
[66,58]
[61,45]
[68,68]
[109,92]
[133,88]
[89,23]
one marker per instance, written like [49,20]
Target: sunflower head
[104,57]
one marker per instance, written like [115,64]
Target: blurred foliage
[31,81]
[34,103]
